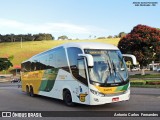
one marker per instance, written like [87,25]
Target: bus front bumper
[98,100]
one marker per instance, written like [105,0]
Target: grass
[146,86]
[145,83]
[34,47]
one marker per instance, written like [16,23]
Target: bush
[137,83]
[153,83]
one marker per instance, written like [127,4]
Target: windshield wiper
[109,67]
[114,68]
[110,72]
[117,72]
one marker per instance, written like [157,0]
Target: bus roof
[90,45]
[82,45]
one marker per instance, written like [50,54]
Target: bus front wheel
[67,98]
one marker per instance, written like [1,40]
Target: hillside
[31,48]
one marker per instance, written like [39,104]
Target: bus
[81,72]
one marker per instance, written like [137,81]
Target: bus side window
[27,66]
[61,59]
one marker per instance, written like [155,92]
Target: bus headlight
[97,93]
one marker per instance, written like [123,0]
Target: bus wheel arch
[67,97]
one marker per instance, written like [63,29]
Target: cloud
[10,23]
[17,27]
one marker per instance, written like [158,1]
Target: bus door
[83,84]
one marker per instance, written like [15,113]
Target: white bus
[83,72]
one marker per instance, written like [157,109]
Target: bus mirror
[89,59]
[131,56]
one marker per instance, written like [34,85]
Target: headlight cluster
[97,93]
[108,95]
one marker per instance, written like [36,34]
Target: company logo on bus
[110,89]
[82,97]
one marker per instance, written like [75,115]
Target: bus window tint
[61,60]
[51,59]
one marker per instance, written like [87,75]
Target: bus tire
[67,98]
[31,92]
[27,90]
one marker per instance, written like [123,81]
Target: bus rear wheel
[27,90]
[31,92]
[67,98]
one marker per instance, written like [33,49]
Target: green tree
[63,37]
[43,36]
[5,64]
[116,36]
[101,38]
[122,34]
[110,36]
[49,37]
[144,42]
[25,37]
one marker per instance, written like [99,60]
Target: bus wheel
[31,91]
[67,98]
[27,90]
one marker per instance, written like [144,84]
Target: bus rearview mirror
[131,56]
[89,58]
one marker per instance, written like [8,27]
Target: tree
[101,38]
[144,42]
[122,34]
[110,36]
[42,36]
[25,37]
[116,36]
[49,37]
[1,38]
[63,37]
[5,64]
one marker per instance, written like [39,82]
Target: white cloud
[65,27]
[16,27]
[10,23]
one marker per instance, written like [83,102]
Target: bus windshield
[109,66]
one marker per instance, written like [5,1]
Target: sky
[76,18]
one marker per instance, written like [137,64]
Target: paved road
[13,99]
